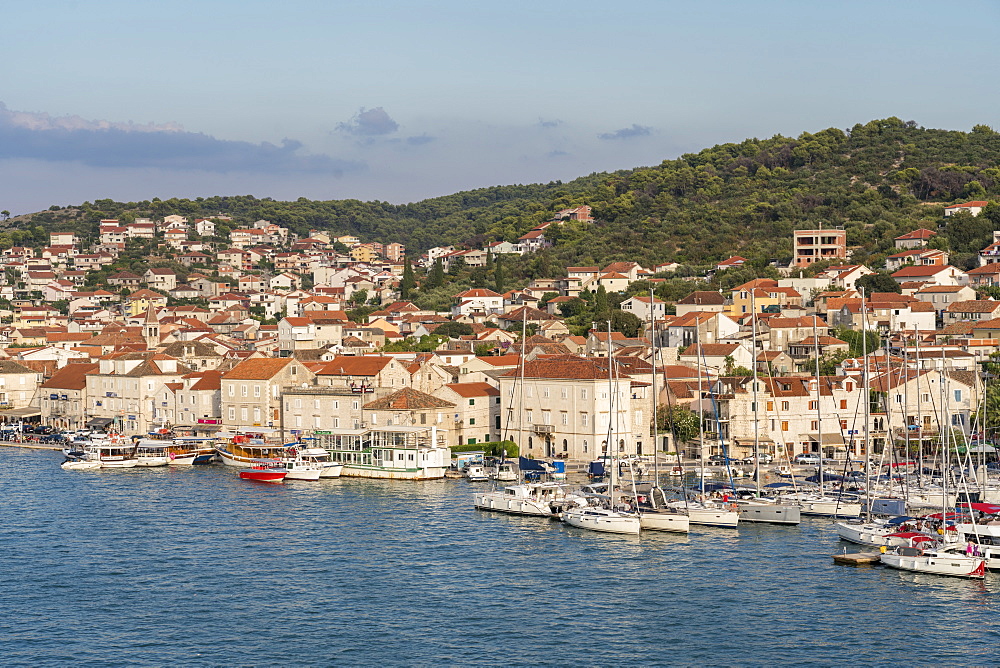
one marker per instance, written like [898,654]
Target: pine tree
[499,278]
[602,308]
[435,278]
[408,283]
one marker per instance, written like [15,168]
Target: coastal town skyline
[403,102]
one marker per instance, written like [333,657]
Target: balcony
[542,428]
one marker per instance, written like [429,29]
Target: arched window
[565,445]
[530,444]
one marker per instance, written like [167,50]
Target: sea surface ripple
[196,567]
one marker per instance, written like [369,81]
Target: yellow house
[141,301]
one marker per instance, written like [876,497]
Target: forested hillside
[877,180]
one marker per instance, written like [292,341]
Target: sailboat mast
[756,407]
[611,429]
[866,396]
[652,342]
[520,412]
[701,398]
[819,411]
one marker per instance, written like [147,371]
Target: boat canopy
[99,423]
[899,520]
[988,508]
[596,469]
[526,464]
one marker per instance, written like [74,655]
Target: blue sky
[399,101]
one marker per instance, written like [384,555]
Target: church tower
[151,328]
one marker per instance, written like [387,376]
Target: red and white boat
[265,472]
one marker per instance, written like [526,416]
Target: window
[256,391]
[298,420]
[843,403]
[336,405]
[472,421]
[564,393]
[232,414]
[770,405]
[583,393]
[753,406]
[295,370]
[564,417]
[843,424]
[899,398]
[243,390]
[784,406]
[316,404]
[256,414]
[472,402]
[530,416]
[316,422]
[529,391]
[232,390]
[638,418]
[584,419]
[958,395]
[298,403]
[586,446]
[336,423]
[813,405]
[546,417]
[545,392]
[244,415]
[784,425]
[814,425]
[374,418]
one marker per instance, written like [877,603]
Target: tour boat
[248,446]
[263,471]
[151,452]
[191,450]
[539,499]
[391,452]
[113,453]
[938,562]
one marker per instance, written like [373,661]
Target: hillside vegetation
[877,180]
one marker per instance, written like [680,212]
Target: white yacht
[822,505]
[949,561]
[319,456]
[768,511]
[664,519]
[705,514]
[597,518]
[539,499]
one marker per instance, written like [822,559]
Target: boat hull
[331,471]
[264,476]
[769,513]
[81,465]
[605,522]
[664,521]
[936,563]
[714,517]
[376,472]
[496,501]
[303,474]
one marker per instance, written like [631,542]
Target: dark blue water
[196,567]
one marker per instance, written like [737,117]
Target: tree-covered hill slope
[877,180]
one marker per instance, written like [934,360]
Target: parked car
[762,457]
[807,458]
[722,459]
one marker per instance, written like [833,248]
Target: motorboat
[476,473]
[947,561]
[113,453]
[597,518]
[265,471]
[300,469]
[319,456]
[507,472]
[81,465]
[151,452]
[538,499]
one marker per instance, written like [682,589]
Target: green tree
[453,329]
[602,307]
[628,324]
[435,278]
[681,422]
[408,282]
[499,275]
[880,281]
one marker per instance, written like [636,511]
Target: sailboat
[610,513]
[761,509]
[655,513]
[947,560]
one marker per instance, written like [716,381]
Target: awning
[99,423]
[834,438]
[21,412]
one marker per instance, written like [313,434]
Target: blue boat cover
[526,464]
[596,469]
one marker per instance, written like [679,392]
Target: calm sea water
[196,567]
